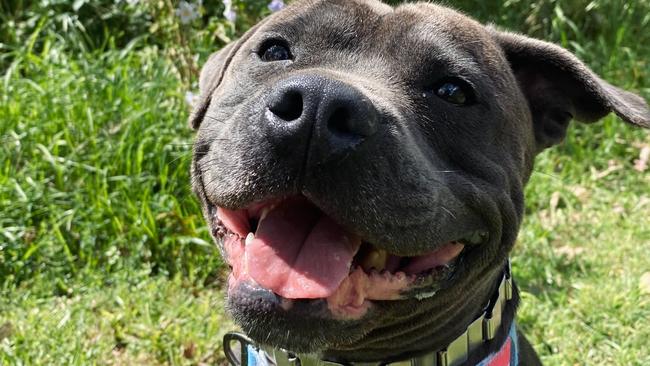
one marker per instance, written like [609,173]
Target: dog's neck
[489,340]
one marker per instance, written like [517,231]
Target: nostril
[352,120]
[289,106]
[339,122]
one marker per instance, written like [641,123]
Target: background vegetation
[104,257]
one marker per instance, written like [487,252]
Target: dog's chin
[302,326]
[297,274]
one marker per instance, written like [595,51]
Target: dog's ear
[213,72]
[213,68]
[559,87]
[211,76]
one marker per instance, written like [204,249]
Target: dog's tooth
[375,259]
[249,238]
[265,211]
[386,275]
[477,237]
[286,304]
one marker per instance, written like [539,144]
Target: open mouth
[295,250]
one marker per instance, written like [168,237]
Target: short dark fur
[428,173]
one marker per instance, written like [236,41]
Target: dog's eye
[275,50]
[455,91]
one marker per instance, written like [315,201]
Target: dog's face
[362,168]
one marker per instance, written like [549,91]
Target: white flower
[276,5]
[187,12]
[191,98]
[228,13]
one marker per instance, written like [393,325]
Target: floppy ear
[559,87]
[212,74]
[212,71]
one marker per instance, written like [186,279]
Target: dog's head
[362,167]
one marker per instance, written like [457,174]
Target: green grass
[579,263]
[94,167]
[104,257]
[135,320]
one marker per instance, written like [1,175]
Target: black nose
[332,116]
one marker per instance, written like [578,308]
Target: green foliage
[104,256]
[84,26]
[81,25]
[90,176]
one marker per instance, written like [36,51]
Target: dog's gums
[292,248]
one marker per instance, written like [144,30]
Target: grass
[94,167]
[578,263]
[135,320]
[104,257]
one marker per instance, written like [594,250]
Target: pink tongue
[299,253]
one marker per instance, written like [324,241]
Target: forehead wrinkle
[436,45]
[458,38]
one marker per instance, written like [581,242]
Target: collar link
[237,346]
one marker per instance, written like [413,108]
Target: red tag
[503,357]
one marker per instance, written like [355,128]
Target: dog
[362,168]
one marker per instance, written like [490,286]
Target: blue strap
[256,357]
[514,353]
